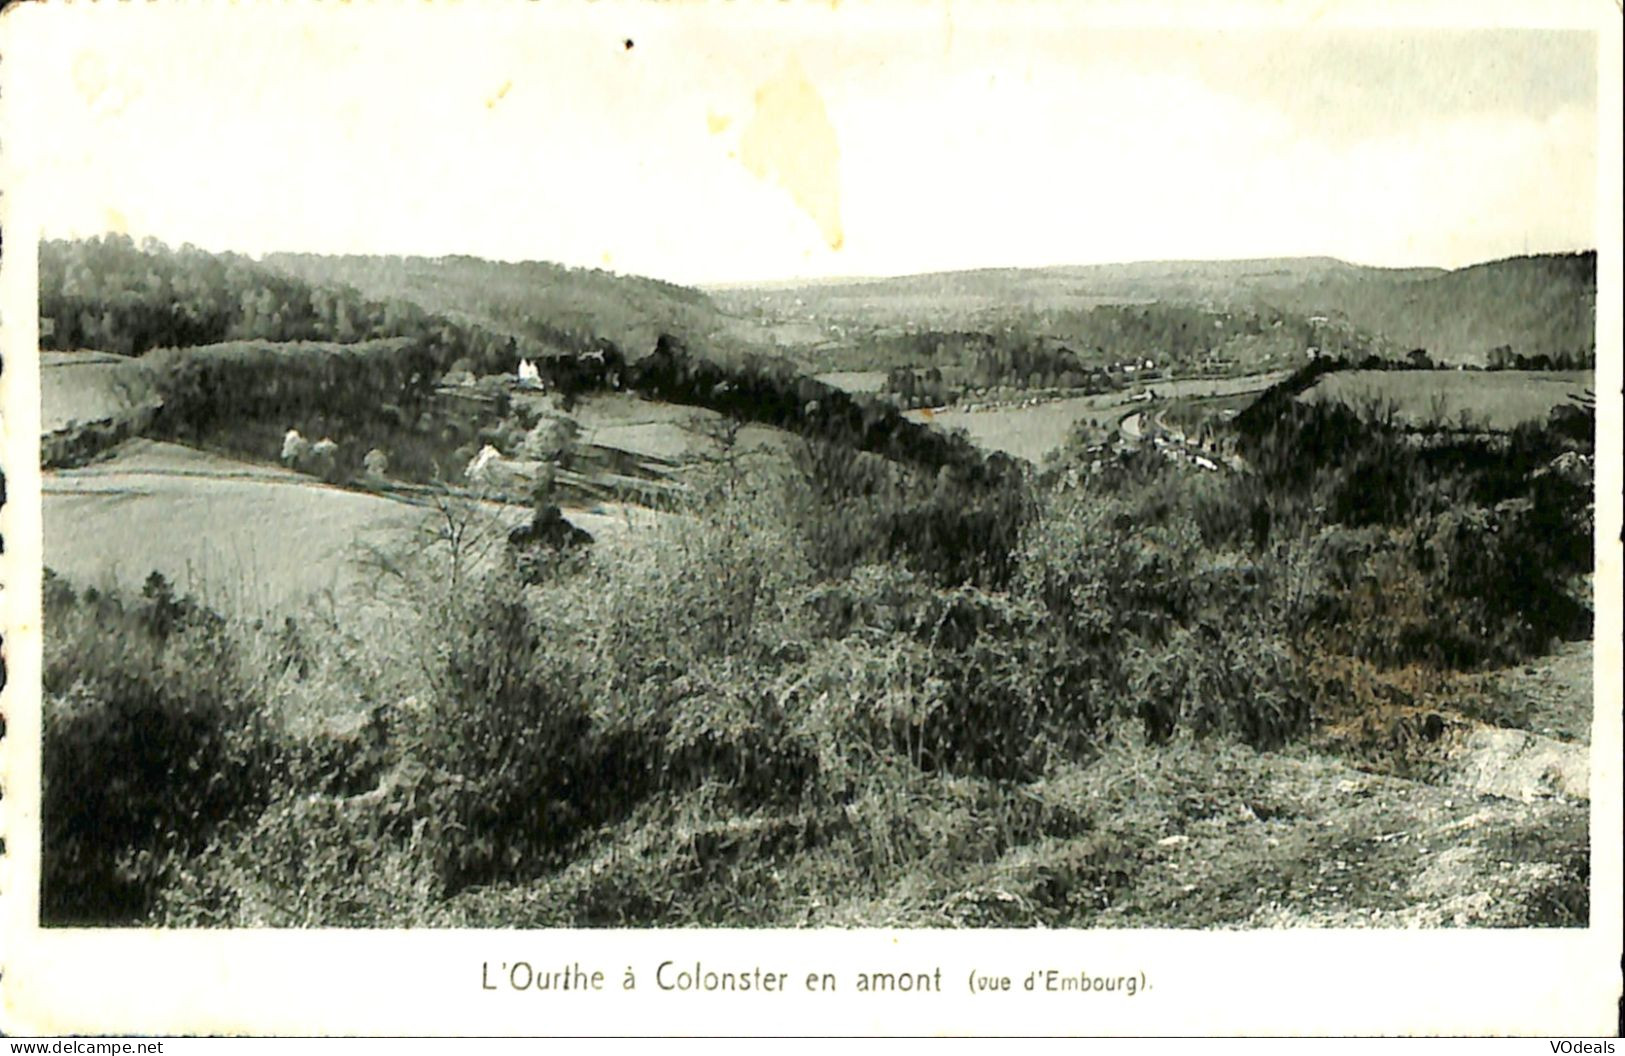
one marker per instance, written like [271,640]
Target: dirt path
[1496,834]
[1551,696]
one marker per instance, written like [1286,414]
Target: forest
[109,293]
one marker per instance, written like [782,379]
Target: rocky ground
[1480,818]
[1426,815]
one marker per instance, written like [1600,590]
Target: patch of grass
[1497,400]
[245,539]
[83,387]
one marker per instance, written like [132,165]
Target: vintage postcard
[874,517]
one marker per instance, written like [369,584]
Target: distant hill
[547,302]
[1137,279]
[1536,304]
[110,294]
[1217,282]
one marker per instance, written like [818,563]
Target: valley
[1186,594]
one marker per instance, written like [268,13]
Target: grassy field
[1496,400]
[244,538]
[603,410]
[1030,432]
[90,386]
[1033,432]
[255,537]
[855,380]
[1210,388]
[663,440]
[667,431]
[647,428]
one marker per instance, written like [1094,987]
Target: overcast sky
[771,142]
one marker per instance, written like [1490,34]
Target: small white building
[479,466]
[491,468]
[294,446]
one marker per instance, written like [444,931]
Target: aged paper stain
[717,123]
[790,141]
[104,92]
[490,104]
[89,76]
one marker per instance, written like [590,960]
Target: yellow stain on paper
[717,123]
[104,90]
[89,76]
[491,103]
[790,141]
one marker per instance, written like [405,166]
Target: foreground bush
[506,753]
[1185,635]
[152,742]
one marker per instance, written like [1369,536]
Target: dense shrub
[203,386]
[1250,686]
[958,680]
[153,740]
[1185,635]
[313,861]
[734,723]
[1453,549]
[851,508]
[1019,692]
[505,749]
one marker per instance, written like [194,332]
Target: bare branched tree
[433,561]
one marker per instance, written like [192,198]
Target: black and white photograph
[834,468]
